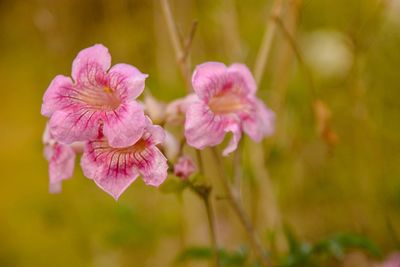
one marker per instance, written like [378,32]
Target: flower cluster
[96,113]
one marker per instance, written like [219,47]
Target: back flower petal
[61,160]
[260,123]
[61,165]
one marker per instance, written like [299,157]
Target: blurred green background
[320,186]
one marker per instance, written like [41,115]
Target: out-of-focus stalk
[180,54]
[182,51]
[266,44]
[240,212]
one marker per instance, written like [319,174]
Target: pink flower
[99,96]
[114,169]
[61,160]
[226,103]
[184,167]
[393,260]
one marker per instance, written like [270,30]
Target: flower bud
[184,168]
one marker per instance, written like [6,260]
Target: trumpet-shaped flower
[61,160]
[98,96]
[114,169]
[226,102]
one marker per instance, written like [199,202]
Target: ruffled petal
[56,95]
[208,78]
[242,70]
[154,169]
[127,80]
[96,55]
[260,122]
[114,169]
[111,169]
[125,125]
[61,164]
[154,134]
[79,125]
[202,127]
[233,143]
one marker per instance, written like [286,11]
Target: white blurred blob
[44,20]
[171,146]
[327,53]
[154,108]
[393,11]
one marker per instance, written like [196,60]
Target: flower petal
[155,134]
[154,171]
[233,143]
[202,127]
[207,78]
[79,125]
[61,164]
[244,72]
[53,98]
[260,123]
[97,55]
[128,79]
[124,126]
[112,170]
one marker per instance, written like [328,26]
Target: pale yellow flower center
[226,103]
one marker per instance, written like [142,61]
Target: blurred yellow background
[321,186]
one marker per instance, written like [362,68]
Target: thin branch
[172,29]
[189,41]
[238,209]
[299,56]
[266,44]
[177,43]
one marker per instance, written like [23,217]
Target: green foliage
[226,258]
[332,248]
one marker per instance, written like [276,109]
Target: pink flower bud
[184,168]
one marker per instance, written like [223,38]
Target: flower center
[138,147]
[100,98]
[226,103]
